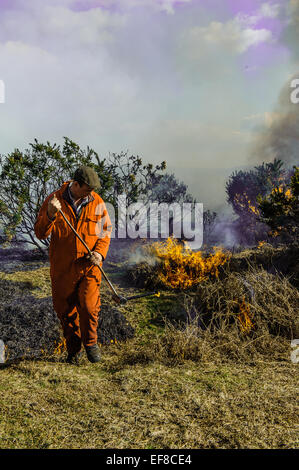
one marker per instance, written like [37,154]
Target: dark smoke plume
[279,137]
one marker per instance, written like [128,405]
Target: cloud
[270,10]
[160,80]
[291,33]
[254,117]
[236,36]
[169,5]
[58,27]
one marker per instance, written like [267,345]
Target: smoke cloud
[291,33]
[279,136]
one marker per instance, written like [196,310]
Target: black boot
[93,353]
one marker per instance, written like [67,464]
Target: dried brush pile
[166,261]
[170,264]
[242,319]
[282,260]
[244,313]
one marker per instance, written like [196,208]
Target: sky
[197,83]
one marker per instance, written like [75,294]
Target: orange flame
[60,348]
[282,189]
[245,203]
[182,268]
[244,317]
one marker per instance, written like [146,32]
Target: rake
[116,297]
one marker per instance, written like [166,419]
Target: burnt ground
[29,326]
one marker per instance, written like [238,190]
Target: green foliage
[142,183]
[280,210]
[168,190]
[244,188]
[27,178]
[132,177]
[209,222]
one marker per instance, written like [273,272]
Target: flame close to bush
[183,268]
[244,317]
[60,348]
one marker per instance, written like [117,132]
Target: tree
[143,183]
[28,177]
[209,224]
[280,210]
[243,187]
[243,190]
[169,189]
[131,176]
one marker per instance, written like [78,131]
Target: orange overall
[75,281]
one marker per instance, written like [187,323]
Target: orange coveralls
[75,281]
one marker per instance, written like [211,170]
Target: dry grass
[148,406]
[204,384]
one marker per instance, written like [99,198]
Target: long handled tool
[117,298]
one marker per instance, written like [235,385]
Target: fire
[282,190]
[246,204]
[274,234]
[182,268]
[244,317]
[60,348]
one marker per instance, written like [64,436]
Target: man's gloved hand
[96,258]
[53,207]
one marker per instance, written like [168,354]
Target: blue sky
[190,82]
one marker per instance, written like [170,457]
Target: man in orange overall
[76,279]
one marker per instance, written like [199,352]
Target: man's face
[80,191]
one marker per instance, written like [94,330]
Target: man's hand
[53,207]
[96,258]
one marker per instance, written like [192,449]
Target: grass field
[148,406]
[138,398]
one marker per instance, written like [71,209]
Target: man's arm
[46,217]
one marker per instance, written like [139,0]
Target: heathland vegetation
[204,363]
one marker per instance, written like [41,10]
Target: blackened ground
[29,326]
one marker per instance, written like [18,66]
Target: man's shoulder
[96,197]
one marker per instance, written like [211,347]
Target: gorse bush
[28,177]
[280,209]
[245,189]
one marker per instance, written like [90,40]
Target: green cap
[87,175]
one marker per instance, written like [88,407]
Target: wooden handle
[89,252]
